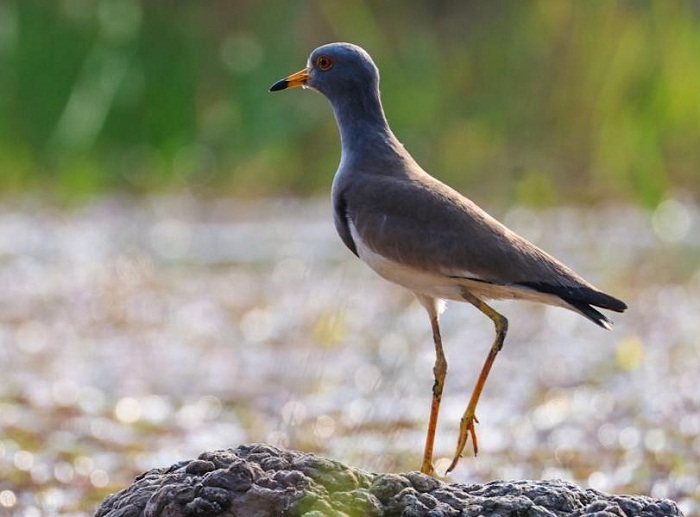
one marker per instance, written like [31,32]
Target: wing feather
[420,222]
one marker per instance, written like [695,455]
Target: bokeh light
[165,290]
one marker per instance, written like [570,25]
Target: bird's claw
[466,429]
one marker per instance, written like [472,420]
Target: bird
[417,232]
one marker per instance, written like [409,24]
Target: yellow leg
[439,371]
[466,425]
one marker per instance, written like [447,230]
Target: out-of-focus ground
[137,333]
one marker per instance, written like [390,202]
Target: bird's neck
[362,123]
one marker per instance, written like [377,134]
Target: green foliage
[536,101]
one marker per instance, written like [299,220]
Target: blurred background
[539,102]
[171,280]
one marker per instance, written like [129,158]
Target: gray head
[347,76]
[335,69]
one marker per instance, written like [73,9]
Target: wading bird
[417,232]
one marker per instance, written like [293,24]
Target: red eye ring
[324,63]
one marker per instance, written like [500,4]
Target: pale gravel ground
[137,333]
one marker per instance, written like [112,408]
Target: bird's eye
[324,63]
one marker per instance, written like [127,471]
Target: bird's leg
[466,425]
[439,371]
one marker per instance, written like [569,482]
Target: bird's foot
[466,429]
[427,468]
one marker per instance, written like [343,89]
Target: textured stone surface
[260,480]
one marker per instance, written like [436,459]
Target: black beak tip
[279,85]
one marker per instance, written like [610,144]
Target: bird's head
[335,70]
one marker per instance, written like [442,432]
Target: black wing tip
[582,299]
[605,301]
[589,312]
[580,294]
[617,305]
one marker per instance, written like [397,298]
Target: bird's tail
[583,300]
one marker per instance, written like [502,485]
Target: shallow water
[135,333]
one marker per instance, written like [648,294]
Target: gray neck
[363,126]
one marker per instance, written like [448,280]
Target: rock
[261,480]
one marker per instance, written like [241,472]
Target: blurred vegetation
[536,101]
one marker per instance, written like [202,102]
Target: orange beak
[291,81]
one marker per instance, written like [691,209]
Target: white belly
[418,281]
[422,282]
